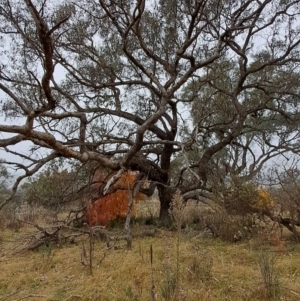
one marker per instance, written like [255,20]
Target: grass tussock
[270,277]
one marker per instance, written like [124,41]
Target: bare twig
[73,296]
[109,247]
[32,296]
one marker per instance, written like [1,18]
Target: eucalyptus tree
[106,81]
[56,187]
[5,178]
[269,130]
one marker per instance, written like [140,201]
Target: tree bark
[131,195]
[165,194]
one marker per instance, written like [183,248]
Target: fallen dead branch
[60,234]
[54,235]
[31,296]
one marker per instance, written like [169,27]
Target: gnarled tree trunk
[165,194]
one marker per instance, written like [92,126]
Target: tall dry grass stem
[269,274]
[152,275]
[177,215]
[168,284]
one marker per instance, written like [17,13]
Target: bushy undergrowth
[229,227]
[220,224]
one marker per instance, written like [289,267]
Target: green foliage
[240,197]
[54,186]
[7,214]
[5,177]
[211,105]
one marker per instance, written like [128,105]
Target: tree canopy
[55,187]
[208,87]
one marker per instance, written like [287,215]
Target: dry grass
[148,209]
[209,270]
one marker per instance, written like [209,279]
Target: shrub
[226,226]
